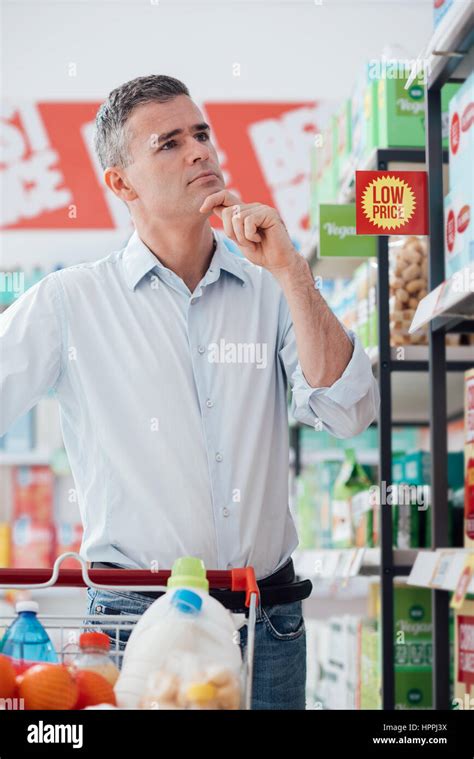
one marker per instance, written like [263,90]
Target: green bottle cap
[188,572]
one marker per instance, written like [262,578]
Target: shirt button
[209,403]
[201,349]
[193,301]
[225,512]
[218,456]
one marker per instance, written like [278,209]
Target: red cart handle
[235,579]
[244,579]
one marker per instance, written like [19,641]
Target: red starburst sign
[391,203]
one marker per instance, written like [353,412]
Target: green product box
[417,468]
[401,111]
[413,647]
[328,476]
[412,507]
[343,140]
[371,119]
[306,510]
[373,331]
[351,479]
[370,671]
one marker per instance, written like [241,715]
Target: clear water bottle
[26,639]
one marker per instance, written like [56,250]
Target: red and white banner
[51,178]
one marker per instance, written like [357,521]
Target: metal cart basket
[65,629]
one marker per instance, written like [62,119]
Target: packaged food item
[402,111]
[464,656]
[33,493]
[411,499]
[26,639]
[93,656]
[5,544]
[461,136]
[68,538]
[362,509]
[370,674]
[458,229]
[440,8]
[32,543]
[408,279]
[344,142]
[469,458]
[184,634]
[413,647]
[352,479]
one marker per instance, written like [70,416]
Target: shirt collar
[138,260]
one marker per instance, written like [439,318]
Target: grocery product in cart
[93,656]
[183,652]
[26,639]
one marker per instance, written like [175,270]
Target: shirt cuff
[352,385]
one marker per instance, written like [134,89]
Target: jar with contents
[94,656]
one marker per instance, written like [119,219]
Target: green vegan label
[417,612]
[337,233]
[410,102]
[416,92]
[414,696]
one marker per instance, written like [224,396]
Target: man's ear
[116,181]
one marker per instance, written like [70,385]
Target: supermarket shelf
[336,266]
[439,570]
[26,458]
[334,563]
[450,306]
[410,381]
[448,45]
[416,356]
[397,159]
[370,457]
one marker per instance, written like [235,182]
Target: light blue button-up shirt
[173,404]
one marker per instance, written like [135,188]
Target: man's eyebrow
[175,132]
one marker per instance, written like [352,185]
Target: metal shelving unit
[450,64]
[451,59]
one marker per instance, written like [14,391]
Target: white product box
[458,229]
[461,136]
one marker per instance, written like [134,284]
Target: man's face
[165,166]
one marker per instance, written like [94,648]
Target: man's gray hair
[111,137]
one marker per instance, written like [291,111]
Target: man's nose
[197,151]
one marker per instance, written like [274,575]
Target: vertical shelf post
[385,473]
[438,412]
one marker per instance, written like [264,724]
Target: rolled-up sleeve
[30,350]
[344,409]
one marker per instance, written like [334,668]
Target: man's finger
[222,198]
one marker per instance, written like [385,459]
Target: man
[170,361]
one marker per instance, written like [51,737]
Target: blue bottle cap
[187,601]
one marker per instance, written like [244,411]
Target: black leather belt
[281,587]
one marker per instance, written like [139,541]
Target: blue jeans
[279,676]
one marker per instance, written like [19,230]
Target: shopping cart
[64,629]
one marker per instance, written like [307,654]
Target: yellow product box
[5,544]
